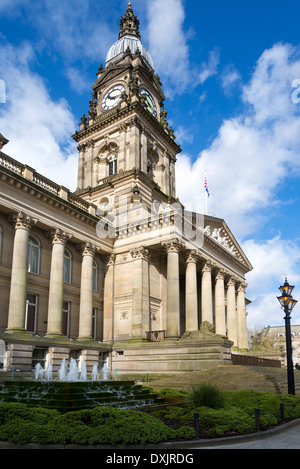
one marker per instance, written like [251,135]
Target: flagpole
[205,195]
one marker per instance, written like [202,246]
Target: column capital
[208,266]
[220,275]
[109,259]
[22,221]
[173,245]
[192,256]
[59,236]
[242,287]
[232,281]
[140,253]
[87,249]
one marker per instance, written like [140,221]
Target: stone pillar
[140,293]
[231,311]
[108,300]
[143,150]
[242,336]
[56,288]
[206,294]
[173,288]
[80,176]
[18,285]
[191,294]
[220,320]
[86,293]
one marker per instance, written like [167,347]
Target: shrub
[169,392]
[95,426]
[208,395]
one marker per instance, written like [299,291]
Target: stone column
[143,150]
[206,294]
[80,177]
[86,293]
[220,320]
[108,300]
[18,285]
[173,288]
[140,293]
[191,294]
[242,336]
[231,311]
[56,288]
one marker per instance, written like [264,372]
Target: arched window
[95,276]
[67,267]
[33,255]
[112,165]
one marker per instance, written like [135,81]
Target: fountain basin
[70,396]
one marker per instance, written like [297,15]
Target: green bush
[208,395]
[95,426]
[169,392]
[268,404]
[23,424]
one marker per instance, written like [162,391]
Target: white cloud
[38,128]
[168,41]
[253,152]
[251,156]
[229,78]
[210,68]
[73,29]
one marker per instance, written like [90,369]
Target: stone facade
[119,268]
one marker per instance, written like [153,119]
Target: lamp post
[287,303]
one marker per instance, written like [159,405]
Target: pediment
[217,232]
[110,74]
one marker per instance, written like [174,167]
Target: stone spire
[129,24]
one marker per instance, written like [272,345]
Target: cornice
[41,194]
[117,115]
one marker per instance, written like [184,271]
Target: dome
[119,48]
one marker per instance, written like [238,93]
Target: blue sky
[231,74]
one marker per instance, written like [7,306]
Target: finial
[129,24]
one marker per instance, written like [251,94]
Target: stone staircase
[237,377]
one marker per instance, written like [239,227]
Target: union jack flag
[206,187]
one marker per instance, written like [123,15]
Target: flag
[206,187]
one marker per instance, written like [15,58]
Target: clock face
[112,97]
[150,105]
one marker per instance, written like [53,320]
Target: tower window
[113,167]
[149,166]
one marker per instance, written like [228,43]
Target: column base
[16,330]
[53,335]
[84,339]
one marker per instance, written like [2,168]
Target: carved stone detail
[140,253]
[22,220]
[174,245]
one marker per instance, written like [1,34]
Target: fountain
[95,374]
[48,373]
[38,371]
[72,390]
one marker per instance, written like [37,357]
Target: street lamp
[288,303]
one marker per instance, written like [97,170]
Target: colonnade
[223,305]
[18,290]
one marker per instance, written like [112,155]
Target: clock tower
[125,143]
